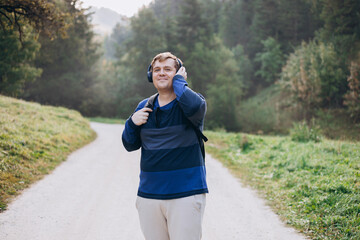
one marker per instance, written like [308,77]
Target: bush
[314,74]
[301,132]
[244,143]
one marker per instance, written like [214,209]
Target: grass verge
[34,139]
[106,120]
[314,187]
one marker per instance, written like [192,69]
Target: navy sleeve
[193,104]
[131,135]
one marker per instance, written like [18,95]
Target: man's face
[163,73]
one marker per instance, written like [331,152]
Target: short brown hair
[166,55]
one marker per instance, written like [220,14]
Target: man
[171,196]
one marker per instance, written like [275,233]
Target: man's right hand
[140,117]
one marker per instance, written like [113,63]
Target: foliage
[192,26]
[146,41]
[312,186]
[245,67]
[103,92]
[341,25]
[301,132]
[352,97]
[44,16]
[67,65]
[225,92]
[264,23]
[270,59]
[16,59]
[203,64]
[314,75]
[236,13]
[34,139]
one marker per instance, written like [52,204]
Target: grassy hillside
[34,139]
[312,186]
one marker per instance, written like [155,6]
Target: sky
[124,7]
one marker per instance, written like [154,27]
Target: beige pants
[175,219]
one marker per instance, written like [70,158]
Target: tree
[341,26]
[67,64]
[265,24]
[314,75]
[236,22]
[192,25]
[44,16]
[225,92]
[202,64]
[146,41]
[270,59]
[245,68]
[297,22]
[16,60]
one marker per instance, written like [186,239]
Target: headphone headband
[149,72]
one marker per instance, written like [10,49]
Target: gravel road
[92,196]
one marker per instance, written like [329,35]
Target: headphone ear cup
[149,74]
[180,64]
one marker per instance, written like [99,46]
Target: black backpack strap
[201,138]
[151,101]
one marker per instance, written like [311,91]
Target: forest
[262,65]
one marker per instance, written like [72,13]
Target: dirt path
[92,196]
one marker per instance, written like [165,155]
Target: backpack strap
[151,101]
[201,137]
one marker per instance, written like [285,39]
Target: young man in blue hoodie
[171,195]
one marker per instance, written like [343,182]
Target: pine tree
[192,25]
[235,23]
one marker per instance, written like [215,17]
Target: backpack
[201,137]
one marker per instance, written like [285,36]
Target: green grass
[34,139]
[314,187]
[107,120]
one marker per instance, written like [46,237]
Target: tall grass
[34,139]
[313,186]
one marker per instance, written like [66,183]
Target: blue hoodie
[172,165]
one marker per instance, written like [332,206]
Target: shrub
[301,132]
[315,76]
[244,143]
